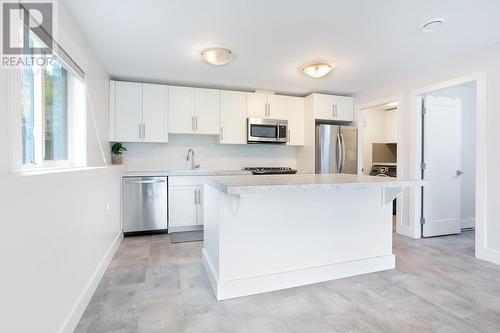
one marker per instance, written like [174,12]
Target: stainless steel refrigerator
[336,149]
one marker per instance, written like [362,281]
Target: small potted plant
[117,149]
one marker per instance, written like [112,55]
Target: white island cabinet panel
[233,117]
[295,117]
[207,105]
[246,250]
[155,113]
[181,110]
[128,112]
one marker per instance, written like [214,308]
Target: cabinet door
[344,108]
[182,207]
[323,106]
[207,104]
[295,117]
[180,110]
[154,113]
[277,107]
[233,119]
[128,116]
[257,105]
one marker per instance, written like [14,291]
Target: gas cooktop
[271,170]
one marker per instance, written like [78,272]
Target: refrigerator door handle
[338,154]
[343,152]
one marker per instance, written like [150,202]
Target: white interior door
[442,157]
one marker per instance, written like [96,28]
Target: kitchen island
[265,233]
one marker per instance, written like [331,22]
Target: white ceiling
[371,42]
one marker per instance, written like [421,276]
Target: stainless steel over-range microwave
[267,130]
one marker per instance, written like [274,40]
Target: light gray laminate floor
[438,286]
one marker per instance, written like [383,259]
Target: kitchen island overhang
[266,233]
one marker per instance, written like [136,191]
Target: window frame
[39,105]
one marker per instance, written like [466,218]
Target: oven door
[263,131]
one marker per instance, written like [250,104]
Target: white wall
[56,231]
[483,60]
[467,95]
[208,153]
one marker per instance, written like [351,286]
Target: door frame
[480,78]
[360,112]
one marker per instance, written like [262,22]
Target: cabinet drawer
[185,181]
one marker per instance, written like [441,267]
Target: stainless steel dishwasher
[144,205]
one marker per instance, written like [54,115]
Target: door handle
[459,173]
[338,153]
[343,152]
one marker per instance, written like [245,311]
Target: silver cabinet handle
[459,173]
[143,130]
[221,133]
[333,110]
[199,197]
[192,123]
[288,136]
[140,131]
[336,111]
[194,197]
[196,123]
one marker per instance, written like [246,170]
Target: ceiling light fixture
[432,25]
[317,69]
[217,55]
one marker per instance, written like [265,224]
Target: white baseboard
[283,280]
[83,300]
[488,255]
[468,222]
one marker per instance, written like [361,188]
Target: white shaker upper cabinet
[330,107]
[127,112]
[295,117]
[266,106]
[207,105]
[181,110]
[154,113]
[233,117]
[257,105]
[276,106]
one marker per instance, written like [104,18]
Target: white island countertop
[303,182]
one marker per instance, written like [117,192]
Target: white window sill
[57,170]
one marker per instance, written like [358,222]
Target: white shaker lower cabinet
[295,117]
[233,117]
[185,203]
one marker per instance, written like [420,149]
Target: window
[52,105]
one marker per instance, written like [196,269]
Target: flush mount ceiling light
[217,55]
[432,25]
[317,70]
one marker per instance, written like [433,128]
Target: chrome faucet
[190,158]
